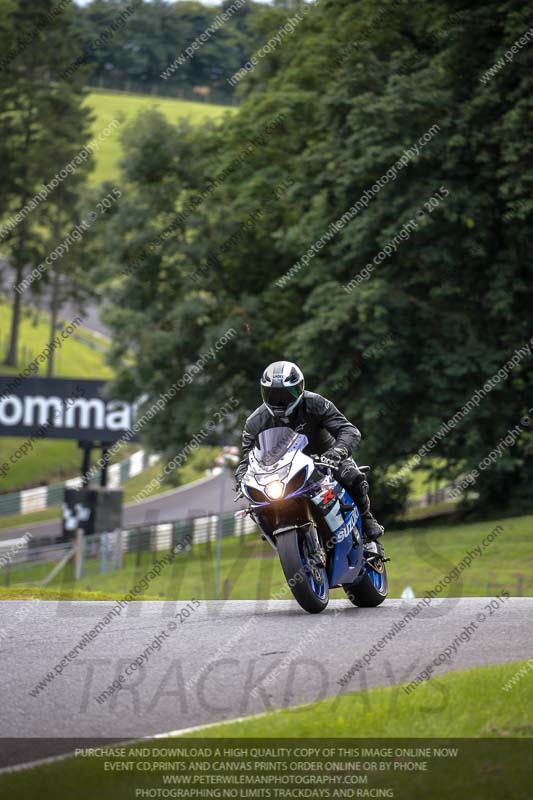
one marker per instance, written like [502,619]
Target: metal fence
[25,562]
[196,94]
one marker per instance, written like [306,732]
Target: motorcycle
[312,523]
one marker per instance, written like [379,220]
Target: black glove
[334,456]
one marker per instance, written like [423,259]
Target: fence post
[208,537]
[79,565]
[117,555]
[153,542]
[104,552]
[191,527]
[139,548]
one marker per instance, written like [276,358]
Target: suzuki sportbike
[312,523]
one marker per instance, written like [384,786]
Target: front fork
[316,551]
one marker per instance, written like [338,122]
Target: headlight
[275,490]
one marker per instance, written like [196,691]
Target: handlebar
[317,460]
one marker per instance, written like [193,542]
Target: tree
[136,48]
[42,125]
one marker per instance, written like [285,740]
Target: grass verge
[36,593]
[9,521]
[465,704]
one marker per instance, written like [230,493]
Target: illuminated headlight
[275,490]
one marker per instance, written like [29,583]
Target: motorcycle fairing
[279,455]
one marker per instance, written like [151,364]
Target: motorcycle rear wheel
[308,584]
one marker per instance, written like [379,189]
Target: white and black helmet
[282,387]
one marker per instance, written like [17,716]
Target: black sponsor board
[62,408]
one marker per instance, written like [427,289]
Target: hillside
[123,106]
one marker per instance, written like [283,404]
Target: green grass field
[123,106]
[8,521]
[51,460]
[419,480]
[419,558]
[195,467]
[73,359]
[468,704]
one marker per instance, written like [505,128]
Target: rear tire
[372,590]
[310,593]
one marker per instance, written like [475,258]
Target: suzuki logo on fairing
[347,529]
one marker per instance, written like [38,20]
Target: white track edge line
[180,732]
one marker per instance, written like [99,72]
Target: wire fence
[33,564]
[196,94]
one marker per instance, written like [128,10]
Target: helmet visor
[279,398]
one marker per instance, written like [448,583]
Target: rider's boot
[372,530]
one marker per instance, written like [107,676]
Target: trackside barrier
[30,500]
[101,553]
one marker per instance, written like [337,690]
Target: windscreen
[274,443]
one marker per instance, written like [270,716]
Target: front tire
[308,584]
[373,588]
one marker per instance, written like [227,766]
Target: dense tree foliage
[133,42]
[410,342]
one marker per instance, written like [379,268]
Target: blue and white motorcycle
[312,522]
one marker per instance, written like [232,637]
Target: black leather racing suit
[325,427]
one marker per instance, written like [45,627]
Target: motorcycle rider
[329,433]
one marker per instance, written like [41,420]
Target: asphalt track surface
[207,668]
[197,499]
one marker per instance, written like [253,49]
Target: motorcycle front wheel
[308,582]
